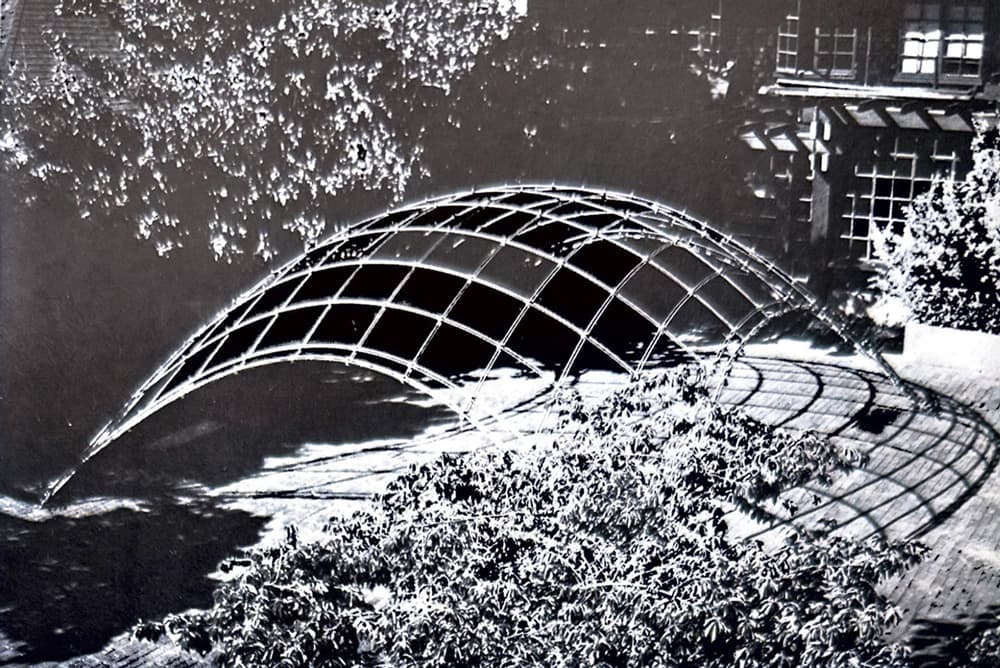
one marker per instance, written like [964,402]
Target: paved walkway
[961,575]
[930,474]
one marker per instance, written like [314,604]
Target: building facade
[850,109]
[862,106]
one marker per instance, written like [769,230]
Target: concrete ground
[932,476]
[960,578]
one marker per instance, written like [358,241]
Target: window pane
[238,343]
[430,290]
[912,48]
[486,310]
[375,281]
[291,326]
[573,297]
[454,352]
[605,261]
[320,285]
[547,341]
[399,333]
[344,323]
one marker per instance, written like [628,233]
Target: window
[706,40]
[921,38]
[885,186]
[834,54]
[942,39]
[788,42]
[963,42]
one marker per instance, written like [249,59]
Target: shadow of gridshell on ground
[543,282]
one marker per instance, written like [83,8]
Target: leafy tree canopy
[944,265]
[236,113]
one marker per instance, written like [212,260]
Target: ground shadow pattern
[922,464]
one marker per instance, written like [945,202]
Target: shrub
[984,648]
[610,547]
[944,266]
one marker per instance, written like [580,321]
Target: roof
[27,26]
[851,91]
[812,132]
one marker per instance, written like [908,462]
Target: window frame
[884,187]
[945,31]
[834,36]
[789,42]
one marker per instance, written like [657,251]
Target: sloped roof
[25,35]
[7,10]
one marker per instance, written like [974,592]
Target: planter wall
[949,347]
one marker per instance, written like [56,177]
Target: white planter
[954,348]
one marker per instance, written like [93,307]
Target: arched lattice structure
[542,281]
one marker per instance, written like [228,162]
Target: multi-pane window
[835,52]
[788,42]
[921,38]
[707,41]
[885,187]
[963,41]
[942,38]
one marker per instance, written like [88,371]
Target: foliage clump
[966,641]
[611,547]
[218,116]
[944,266]
[983,650]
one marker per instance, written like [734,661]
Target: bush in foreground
[944,266]
[610,547]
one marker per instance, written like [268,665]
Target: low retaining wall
[953,348]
